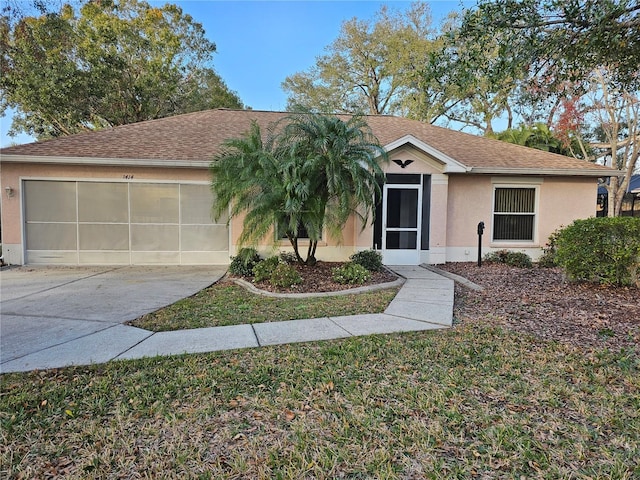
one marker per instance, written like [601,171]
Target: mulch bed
[541,302]
[318,279]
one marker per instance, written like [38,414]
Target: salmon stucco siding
[140,194]
[559,201]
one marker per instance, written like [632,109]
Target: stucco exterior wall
[560,201]
[458,202]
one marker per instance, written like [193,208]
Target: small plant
[288,257]
[243,263]
[285,276]
[548,258]
[514,259]
[369,259]
[263,269]
[351,273]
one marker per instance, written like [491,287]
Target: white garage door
[103,223]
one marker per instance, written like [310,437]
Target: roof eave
[560,172]
[128,162]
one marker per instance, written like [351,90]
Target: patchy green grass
[471,402]
[229,304]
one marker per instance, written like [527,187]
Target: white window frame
[530,185]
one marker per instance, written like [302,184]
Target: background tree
[372,67]
[584,57]
[109,63]
[605,125]
[565,39]
[312,175]
[539,136]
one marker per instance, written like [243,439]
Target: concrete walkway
[424,302]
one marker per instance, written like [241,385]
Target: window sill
[513,243]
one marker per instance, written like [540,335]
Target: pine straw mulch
[541,302]
[318,278]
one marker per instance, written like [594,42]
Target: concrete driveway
[79,311]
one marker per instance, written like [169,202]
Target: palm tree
[313,175]
[537,136]
[339,165]
[247,179]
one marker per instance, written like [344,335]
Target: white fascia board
[451,165]
[562,172]
[129,162]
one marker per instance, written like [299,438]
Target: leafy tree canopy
[372,67]
[563,39]
[111,62]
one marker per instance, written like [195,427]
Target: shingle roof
[196,138]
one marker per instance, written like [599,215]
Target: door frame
[402,256]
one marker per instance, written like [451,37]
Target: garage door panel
[115,223]
[52,236]
[48,201]
[155,238]
[196,202]
[155,258]
[104,257]
[209,238]
[103,236]
[50,257]
[103,202]
[153,203]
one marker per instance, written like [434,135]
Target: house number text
[127,176]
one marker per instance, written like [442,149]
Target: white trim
[563,172]
[115,180]
[517,180]
[451,165]
[130,162]
[536,213]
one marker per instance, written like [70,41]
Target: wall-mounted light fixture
[10,191]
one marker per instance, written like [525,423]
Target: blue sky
[260,43]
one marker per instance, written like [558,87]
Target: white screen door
[401,224]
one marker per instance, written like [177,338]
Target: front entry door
[401,220]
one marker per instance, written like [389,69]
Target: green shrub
[602,250]
[369,259]
[285,276]
[514,259]
[548,258]
[350,273]
[288,257]
[263,269]
[243,263]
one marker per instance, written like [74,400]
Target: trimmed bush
[243,263]
[288,257]
[602,250]
[350,273]
[285,276]
[369,259]
[264,268]
[514,259]
[548,258]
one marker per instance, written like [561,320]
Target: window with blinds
[514,213]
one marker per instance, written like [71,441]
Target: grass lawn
[229,304]
[470,402]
